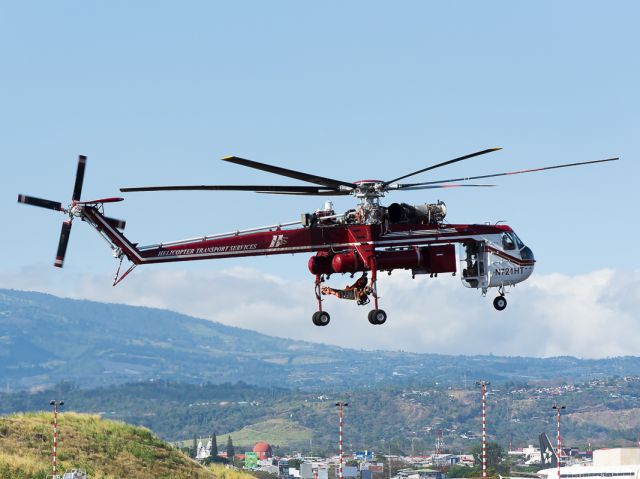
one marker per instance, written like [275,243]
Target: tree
[214,445]
[231,452]
[194,447]
[462,471]
[495,454]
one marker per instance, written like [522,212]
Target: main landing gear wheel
[321,318]
[377,316]
[500,302]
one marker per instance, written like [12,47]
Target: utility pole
[389,459]
[341,405]
[558,408]
[55,405]
[483,385]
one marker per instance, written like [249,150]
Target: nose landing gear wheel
[377,316]
[500,302]
[321,318]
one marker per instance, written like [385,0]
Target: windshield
[518,241]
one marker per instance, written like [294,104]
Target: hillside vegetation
[105,449]
[603,413]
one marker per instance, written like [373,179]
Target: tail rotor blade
[33,201]
[77,188]
[62,245]
[116,223]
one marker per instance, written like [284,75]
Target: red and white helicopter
[367,239]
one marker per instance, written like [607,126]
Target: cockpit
[512,243]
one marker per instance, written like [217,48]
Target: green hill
[105,449]
[274,431]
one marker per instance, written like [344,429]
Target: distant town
[528,461]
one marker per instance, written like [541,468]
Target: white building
[621,463]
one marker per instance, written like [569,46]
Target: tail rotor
[71,211]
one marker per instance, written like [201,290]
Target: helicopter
[368,239]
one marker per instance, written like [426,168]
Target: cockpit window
[507,242]
[519,242]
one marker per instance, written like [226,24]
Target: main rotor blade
[444,163]
[32,200]
[303,193]
[318,180]
[77,188]
[408,185]
[256,188]
[62,244]
[431,187]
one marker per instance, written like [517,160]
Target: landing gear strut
[320,318]
[376,316]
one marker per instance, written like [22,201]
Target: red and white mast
[483,385]
[558,408]
[341,405]
[55,405]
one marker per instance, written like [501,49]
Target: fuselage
[490,255]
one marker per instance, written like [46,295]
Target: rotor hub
[369,189]
[76,210]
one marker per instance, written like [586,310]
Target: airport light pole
[341,404]
[558,408]
[483,385]
[55,405]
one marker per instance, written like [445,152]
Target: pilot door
[474,262]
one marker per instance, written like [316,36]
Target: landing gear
[500,302]
[321,318]
[358,291]
[377,316]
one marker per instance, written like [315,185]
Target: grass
[275,431]
[105,449]
[223,472]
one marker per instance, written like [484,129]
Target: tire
[377,316]
[500,302]
[321,318]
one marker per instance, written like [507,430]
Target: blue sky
[157,92]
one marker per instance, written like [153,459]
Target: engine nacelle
[430,213]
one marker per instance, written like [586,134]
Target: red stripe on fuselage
[513,259]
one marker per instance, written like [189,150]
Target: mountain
[46,339]
[102,448]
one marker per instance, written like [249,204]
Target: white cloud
[590,315]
